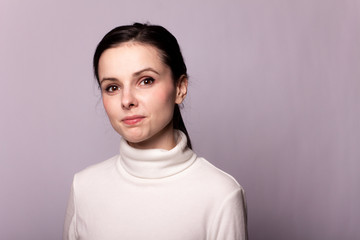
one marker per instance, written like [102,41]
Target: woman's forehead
[131,57]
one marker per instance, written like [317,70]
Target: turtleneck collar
[156,163]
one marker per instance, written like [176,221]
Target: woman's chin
[140,144]
[134,138]
[143,142]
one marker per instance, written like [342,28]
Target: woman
[157,187]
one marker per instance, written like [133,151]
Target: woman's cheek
[110,107]
[166,95]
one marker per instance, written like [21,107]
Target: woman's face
[139,94]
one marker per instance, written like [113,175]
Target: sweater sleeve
[70,219]
[230,222]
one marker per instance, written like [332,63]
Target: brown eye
[147,81]
[111,88]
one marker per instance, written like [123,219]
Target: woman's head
[152,37]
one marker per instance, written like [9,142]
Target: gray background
[273,100]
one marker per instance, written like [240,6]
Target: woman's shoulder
[220,181]
[97,170]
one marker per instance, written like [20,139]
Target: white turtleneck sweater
[155,195]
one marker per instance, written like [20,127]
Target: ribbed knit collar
[156,163]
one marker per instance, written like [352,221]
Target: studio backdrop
[274,99]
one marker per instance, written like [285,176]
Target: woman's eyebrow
[108,79]
[146,70]
[112,79]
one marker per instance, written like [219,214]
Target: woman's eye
[147,81]
[111,88]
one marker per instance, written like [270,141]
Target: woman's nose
[128,99]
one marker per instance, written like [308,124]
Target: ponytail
[180,125]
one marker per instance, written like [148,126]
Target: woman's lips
[131,120]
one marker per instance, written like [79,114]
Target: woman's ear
[181,89]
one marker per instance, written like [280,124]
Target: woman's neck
[156,163]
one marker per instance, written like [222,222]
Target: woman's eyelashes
[147,81]
[111,88]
